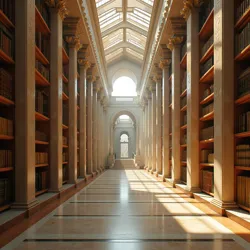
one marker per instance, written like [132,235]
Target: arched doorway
[124,145]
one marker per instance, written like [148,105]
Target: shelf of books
[42,77]
[206,90]
[170,120]
[65,63]
[183,113]
[7,102]
[242,101]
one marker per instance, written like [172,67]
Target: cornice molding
[60,6]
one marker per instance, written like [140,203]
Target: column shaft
[153,130]
[94,130]
[89,128]
[149,134]
[159,127]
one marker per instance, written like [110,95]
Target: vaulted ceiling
[124,27]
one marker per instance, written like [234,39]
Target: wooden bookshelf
[4,207]
[41,117]
[65,146]
[243,99]
[244,168]
[41,142]
[208,76]
[6,21]
[6,137]
[183,145]
[41,25]
[65,56]
[244,54]
[184,108]
[184,127]
[5,58]
[6,169]
[184,61]
[207,117]
[207,141]
[207,27]
[207,55]
[184,93]
[243,134]
[41,57]
[65,126]
[65,97]
[42,165]
[206,164]
[41,192]
[6,101]
[65,79]
[41,80]
[243,20]
[207,99]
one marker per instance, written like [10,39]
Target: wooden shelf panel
[41,25]
[65,97]
[41,117]
[6,101]
[184,108]
[243,20]
[41,165]
[4,207]
[184,93]
[41,80]
[42,142]
[5,58]
[184,127]
[184,61]
[5,20]
[183,163]
[243,99]
[41,192]
[65,146]
[244,54]
[208,27]
[65,56]
[208,76]
[65,182]
[41,57]
[207,99]
[244,207]
[65,126]
[6,137]
[245,168]
[170,105]
[243,134]
[65,79]
[211,194]
[183,145]
[207,141]
[208,54]
[170,134]
[207,164]
[207,117]
[6,169]
[65,162]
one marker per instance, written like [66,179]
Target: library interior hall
[124,124]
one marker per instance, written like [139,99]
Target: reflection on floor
[128,210]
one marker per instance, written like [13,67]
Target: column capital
[165,63]
[188,5]
[82,53]
[91,79]
[175,41]
[70,30]
[152,86]
[60,6]
[83,63]
[157,78]
[73,42]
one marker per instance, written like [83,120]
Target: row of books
[42,102]
[207,109]
[6,126]
[8,8]
[6,42]
[41,180]
[184,174]
[184,122]
[6,159]
[206,66]
[243,86]
[207,45]
[65,156]
[207,156]
[184,155]
[242,155]
[65,88]
[243,190]
[65,114]
[41,136]
[42,158]
[242,40]
[43,44]
[184,82]
[5,191]
[208,91]
[43,9]
[205,10]
[6,84]
[243,122]
[42,69]
[242,8]
[207,133]
[65,172]
[208,180]
[183,101]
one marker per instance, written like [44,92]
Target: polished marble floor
[128,210]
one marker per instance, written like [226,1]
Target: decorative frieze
[60,5]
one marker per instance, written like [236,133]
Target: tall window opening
[124,145]
[124,86]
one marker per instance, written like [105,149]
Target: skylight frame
[112,39]
[134,53]
[114,54]
[136,38]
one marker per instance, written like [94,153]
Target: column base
[221,207]
[58,190]
[25,206]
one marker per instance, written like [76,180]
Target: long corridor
[125,210]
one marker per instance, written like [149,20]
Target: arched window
[124,145]
[124,86]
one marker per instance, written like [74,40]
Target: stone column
[223,102]
[57,15]
[174,45]
[145,139]
[98,135]
[25,105]
[84,65]
[91,80]
[158,81]
[70,27]
[165,64]
[102,138]
[191,13]
[153,126]
[149,132]
[94,127]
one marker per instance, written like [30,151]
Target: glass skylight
[136,39]
[150,2]
[134,53]
[113,39]
[99,3]
[110,18]
[114,54]
[139,18]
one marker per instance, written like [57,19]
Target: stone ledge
[240,216]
